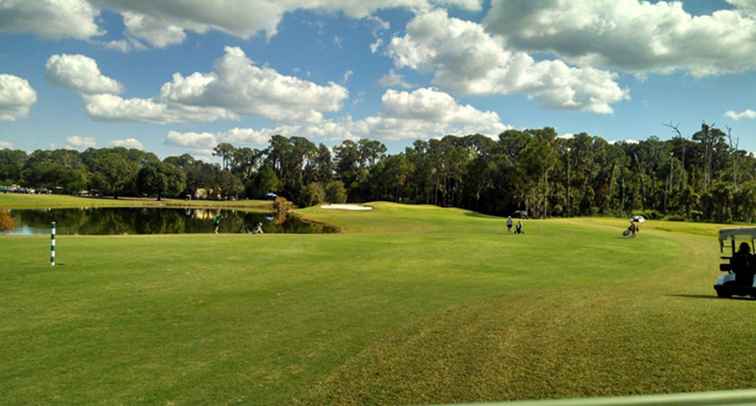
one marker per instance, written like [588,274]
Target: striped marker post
[52,245]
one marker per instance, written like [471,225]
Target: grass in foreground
[411,304]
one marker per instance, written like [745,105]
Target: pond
[104,221]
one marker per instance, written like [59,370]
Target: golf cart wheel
[723,293]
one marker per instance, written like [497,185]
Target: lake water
[104,221]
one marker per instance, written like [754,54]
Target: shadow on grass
[695,296]
[686,296]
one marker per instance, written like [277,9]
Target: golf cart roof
[733,232]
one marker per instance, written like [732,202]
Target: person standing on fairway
[217,222]
[509,224]
[518,228]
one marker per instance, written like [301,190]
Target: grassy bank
[410,304]
[23,201]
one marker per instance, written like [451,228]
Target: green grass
[22,201]
[410,304]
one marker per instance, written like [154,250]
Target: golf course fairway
[407,305]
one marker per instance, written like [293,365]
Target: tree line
[701,177]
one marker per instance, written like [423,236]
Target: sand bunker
[354,207]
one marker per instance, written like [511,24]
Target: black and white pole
[52,245]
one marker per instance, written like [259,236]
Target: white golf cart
[740,265]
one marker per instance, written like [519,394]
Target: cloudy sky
[176,76]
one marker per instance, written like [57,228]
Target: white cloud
[240,86]
[464,58]
[108,107]
[130,143]
[16,97]
[205,141]
[393,79]
[380,24]
[421,114]
[631,35]
[53,19]
[236,87]
[6,145]
[166,22]
[191,140]
[427,113]
[747,114]
[348,76]
[746,6]
[80,73]
[424,113]
[376,45]
[156,31]
[80,143]
[468,5]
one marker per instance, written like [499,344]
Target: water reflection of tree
[158,221]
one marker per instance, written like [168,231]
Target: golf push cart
[740,265]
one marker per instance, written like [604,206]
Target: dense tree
[161,179]
[11,165]
[314,194]
[335,192]
[704,177]
[113,172]
[58,170]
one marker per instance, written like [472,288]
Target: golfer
[519,229]
[216,222]
[509,224]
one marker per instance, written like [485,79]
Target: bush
[281,209]
[335,192]
[676,217]
[6,221]
[314,194]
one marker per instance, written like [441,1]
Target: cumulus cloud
[16,97]
[393,79]
[155,31]
[420,114]
[424,113]
[468,5]
[464,58]
[631,35]
[166,22]
[130,143]
[108,107]
[80,73]
[80,143]
[741,115]
[53,19]
[239,85]
[376,45]
[6,145]
[207,141]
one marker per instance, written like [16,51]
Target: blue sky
[318,46]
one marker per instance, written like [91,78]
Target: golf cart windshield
[735,235]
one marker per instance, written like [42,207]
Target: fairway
[408,305]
